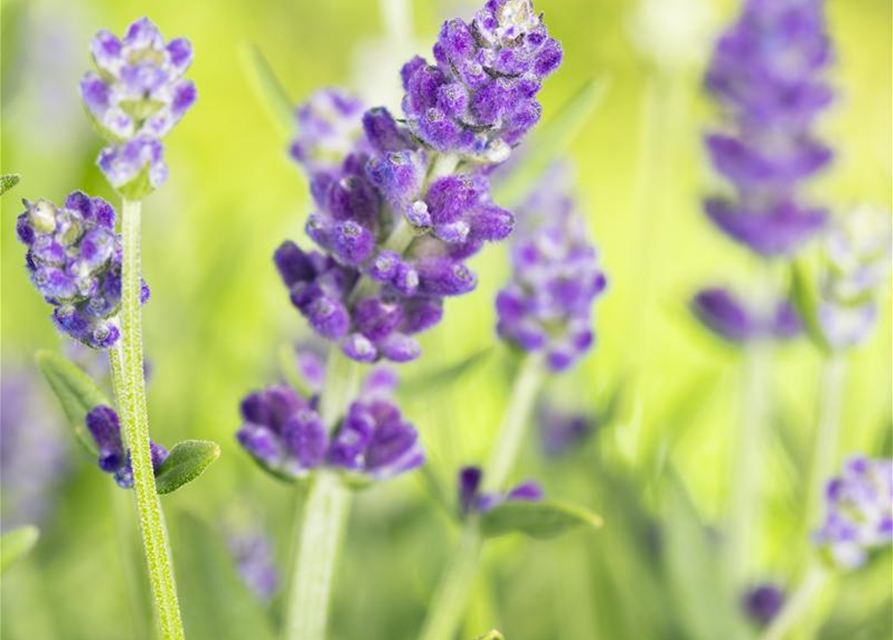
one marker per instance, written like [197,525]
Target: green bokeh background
[219,318]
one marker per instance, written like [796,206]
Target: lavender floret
[74,258]
[859,516]
[766,74]
[472,500]
[763,602]
[134,98]
[730,318]
[114,457]
[547,306]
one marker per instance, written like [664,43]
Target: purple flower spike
[139,90]
[729,317]
[114,458]
[859,516]
[556,277]
[74,258]
[766,73]
[472,500]
[762,603]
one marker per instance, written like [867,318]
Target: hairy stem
[744,513]
[130,393]
[799,607]
[451,598]
[325,516]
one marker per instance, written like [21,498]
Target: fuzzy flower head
[479,99]
[134,98]
[473,500]
[556,277]
[859,512]
[74,258]
[114,457]
[858,251]
[285,434]
[766,75]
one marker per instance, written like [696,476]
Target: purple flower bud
[780,231]
[140,90]
[114,458]
[134,168]
[444,277]
[383,132]
[472,500]
[729,317]
[859,516]
[762,603]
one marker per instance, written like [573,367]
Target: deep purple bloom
[134,100]
[763,602]
[34,452]
[252,552]
[473,500]
[114,457]
[859,516]
[729,317]
[858,251]
[561,431]
[766,74]
[74,258]
[401,205]
[556,277]
[286,435]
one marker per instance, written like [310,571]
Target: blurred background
[219,324]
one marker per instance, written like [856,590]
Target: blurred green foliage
[218,317]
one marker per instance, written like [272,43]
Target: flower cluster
[763,602]
[473,500]
[766,74]
[480,97]
[74,258]
[726,316]
[858,252]
[135,99]
[114,457]
[859,511]
[285,434]
[400,206]
[547,306]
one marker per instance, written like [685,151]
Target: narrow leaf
[806,300]
[268,87]
[186,462]
[16,543]
[77,392]
[536,519]
[549,142]
[7,182]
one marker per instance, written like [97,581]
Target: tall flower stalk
[545,311]
[401,205]
[766,75]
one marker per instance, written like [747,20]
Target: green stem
[130,393]
[799,607]
[325,517]
[830,405]
[451,598]
[744,515]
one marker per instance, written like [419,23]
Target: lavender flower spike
[134,98]
[729,317]
[766,75]
[74,258]
[104,426]
[284,433]
[547,306]
[859,516]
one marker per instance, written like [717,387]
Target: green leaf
[77,392]
[16,543]
[806,300]
[186,462]
[549,142]
[700,593]
[7,182]
[268,87]
[536,519]
[448,374]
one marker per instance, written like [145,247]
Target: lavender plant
[90,274]
[766,74]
